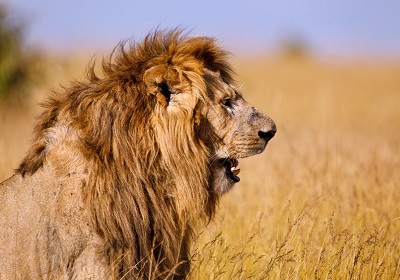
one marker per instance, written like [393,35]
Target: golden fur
[124,167]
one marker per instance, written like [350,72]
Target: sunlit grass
[322,202]
[307,243]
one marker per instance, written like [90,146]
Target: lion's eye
[227,103]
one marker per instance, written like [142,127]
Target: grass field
[323,201]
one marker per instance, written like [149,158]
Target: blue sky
[333,27]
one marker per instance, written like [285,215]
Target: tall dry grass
[323,201]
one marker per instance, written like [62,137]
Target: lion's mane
[148,178]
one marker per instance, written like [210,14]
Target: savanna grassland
[322,202]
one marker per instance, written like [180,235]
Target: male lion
[125,166]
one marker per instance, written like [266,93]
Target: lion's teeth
[233,168]
[236,171]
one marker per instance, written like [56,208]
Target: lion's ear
[156,82]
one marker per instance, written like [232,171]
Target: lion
[126,166]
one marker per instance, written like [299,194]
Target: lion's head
[159,135]
[197,87]
[236,130]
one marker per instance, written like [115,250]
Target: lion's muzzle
[264,127]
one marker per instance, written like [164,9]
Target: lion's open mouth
[232,169]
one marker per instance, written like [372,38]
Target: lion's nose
[267,135]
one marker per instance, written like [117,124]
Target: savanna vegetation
[323,201]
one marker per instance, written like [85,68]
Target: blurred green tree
[16,64]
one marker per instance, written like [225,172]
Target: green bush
[16,64]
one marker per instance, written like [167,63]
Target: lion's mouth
[232,169]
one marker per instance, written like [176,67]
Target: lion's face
[215,112]
[239,131]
